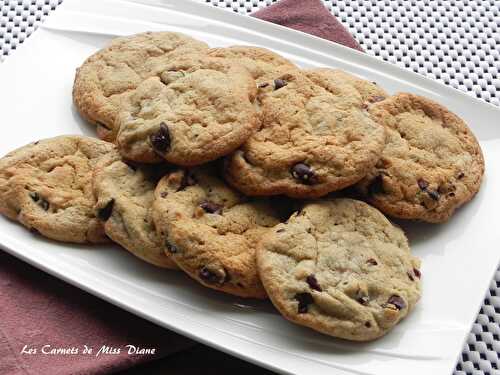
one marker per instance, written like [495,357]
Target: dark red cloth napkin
[38,310]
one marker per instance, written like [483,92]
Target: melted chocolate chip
[417,272]
[164,194]
[279,83]
[280,230]
[368,324]
[372,262]
[397,301]
[303,173]
[410,276]
[461,175]
[304,299]
[105,212]
[210,277]
[172,249]
[422,184]
[211,207]
[433,194]
[263,85]
[35,196]
[313,283]
[363,300]
[44,204]
[187,180]
[161,139]
[376,185]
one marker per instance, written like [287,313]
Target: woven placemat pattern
[456,42]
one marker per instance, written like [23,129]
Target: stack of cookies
[219,162]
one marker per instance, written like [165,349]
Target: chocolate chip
[210,277]
[368,324]
[376,185]
[363,300]
[172,249]
[397,301]
[433,194]
[422,184]
[280,230]
[452,194]
[460,175]
[372,262]
[303,173]
[211,207]
[161,139]
[304,299]
[164,194]
[410,276]
[105,212]
[187,180]
[44,204]
[279,83]
[313,283]
[263,85]
[375,83]
[35,196]
[417,272]
[35,143]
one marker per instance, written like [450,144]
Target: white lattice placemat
[454,41]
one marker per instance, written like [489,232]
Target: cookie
[262,63]
[47,187]
[312,141]
[432,163]
[106,78]
[341,268]
[369,91]
[211,230]
[125,195]
[199,109]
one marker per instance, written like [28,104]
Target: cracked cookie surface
[330,79]
[125,195]
[199,109]
[340,267]
[211,230]
[314,139]
[431,165]
[106,78]
[261,63]
[47,187]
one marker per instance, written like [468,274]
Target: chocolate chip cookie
[262,63]
[341,268]
[197,110]
[47,187]
[107,77]
[312,141]
[211,231]
[431,165]
[125,194]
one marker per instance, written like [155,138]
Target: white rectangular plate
[459,257]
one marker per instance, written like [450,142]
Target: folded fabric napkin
[37,310]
